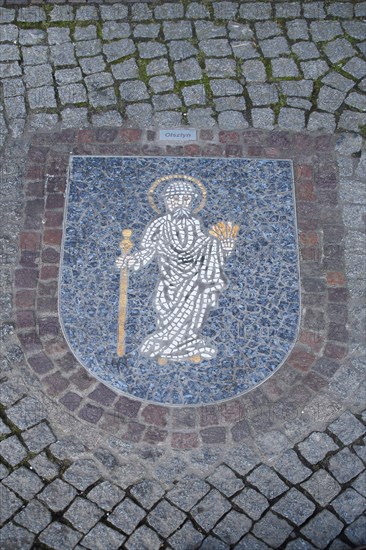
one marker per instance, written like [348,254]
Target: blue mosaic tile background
[255,324]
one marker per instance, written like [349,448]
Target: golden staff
[125,245]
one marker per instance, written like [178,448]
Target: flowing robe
[190,279]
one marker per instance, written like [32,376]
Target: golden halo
[155,185]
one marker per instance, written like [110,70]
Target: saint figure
[191,275]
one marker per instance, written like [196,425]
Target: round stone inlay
[197,301]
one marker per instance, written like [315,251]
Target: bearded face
[179,205]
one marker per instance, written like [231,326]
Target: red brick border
[322,341]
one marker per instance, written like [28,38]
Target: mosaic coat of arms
[179,280]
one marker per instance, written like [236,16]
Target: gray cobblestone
[186,537]
[267,482]
[294,506]
[126,70]
[86,13]
[24,482]
[31,14]
[181,49]
[38,75]
[347,428]
[267,29]
[313,69]
[38,437]
[67,448]
[15,107]
[133,90]
[59,536]
[64,54]
[194,95]
[212,543]
[323,31]
[356,29]
[85,33]
[9,52]
[220,68]
[83,514]
[126,516]
[338,50]
[188,492]
[10,503]
[255,10]
[13,87]
[290,467]
[291,119]
[219,47]
[356,531]
[233,527]
[225,10]
[44,467]
[305,50]
[168,118]
[297,30]
[345,466]
[225,87]
[114,29]
[316,447]
[7,15]
[338,81]
[42,98]
[169,11]
[300,544]
[176,31]
[357,101]
[299,103]
[9,33]
[165,518]
[102,98]
[146,31]
[272,530]
[330,99]
[81,474]
[67,76]
[254,71]
[340,9]
[196,11]
[360,483]
[322,528]
[88,48]
[102,537]
[187,69]
[273,47]
[147,493]
[140,114]
[58,35]
[57,495]
[149,50]
[118,49]
[114,12]
[314,10]
[283,67]
[14,537]
[166,102]
[263,94]
[210,509]
[287,10]
[349,505]
[162,83]
[232,120]
[252,503]
[9,70]
[62,13]
[239,31]
[263,118]
[159,66]
[225,481]
[143,537]
[35,517]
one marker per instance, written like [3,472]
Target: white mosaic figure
[191,275]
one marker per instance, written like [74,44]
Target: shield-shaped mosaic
[179,280]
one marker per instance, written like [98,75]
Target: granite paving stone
[15,107]
[133,90]
[294,506]
[72,93]
[347,428]
[10,503]
[300,544]
[345,465]
[12,536]
[57,495]
[143,537]
[323,31]
[220,68]
[106,495]
[38,437]
[206,30]
[44,467]
[115,11]
[251,502]
[165,518]
[322,487]
[338,50]
[35,517]
[291,119]
[148,50]
[83,514]
[232,120]
[186,536]
[340,9]
[239,31]
[195,10]
[35,55]
[357,101]
[62,13]
[219,47]
[356,29]
[88,48]
[159,66]
[254,71]
[305,50]
[64,54]
[316,447]
[360,484]
[146,31]
[210,509]
[147,493]
[194,95]
[12,451]
[66,76]
[181,49]
[113,29]
[213,543]
[291,468]
[82,473]
[59,536]
[74,117]
[225,87]
[169,11]
[233,527]
[7,15]
[251,542]
[314,69]
[176,31]
[266,29]
[273,47]
[356,531]
[322,528]
[338,81]
[118,49]
[272,530]
[284,67]
[126,516]
[349,505]
[102,537]
[166,101]
[126,70]
[225,480]
[263,94]
[86,33]
[102,98]
[225,9]
[24,482]
[297,29]
[255,10]
[9,33]
[68,447]
[140,113]
[288,10]
[186,70]
[267,482]
[263,118]
[58,35]
[31,14]
[188,492]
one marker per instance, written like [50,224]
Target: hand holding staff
[126,246]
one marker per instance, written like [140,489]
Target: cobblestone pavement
[284,468]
